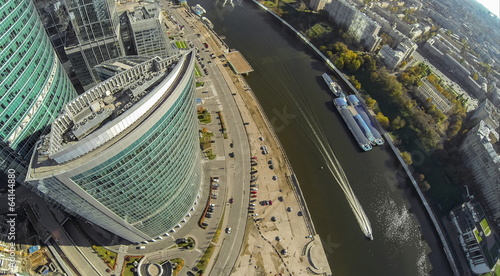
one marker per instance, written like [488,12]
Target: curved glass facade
[144,181]
[153,183]
[34,86]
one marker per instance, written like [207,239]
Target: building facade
[125,154]
[363,29]
[480,150]
[479,241]
[148,32]
[85,33]
[34,85]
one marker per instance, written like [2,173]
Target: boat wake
[338,173]
[314,132]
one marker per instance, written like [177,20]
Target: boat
[334,87]
[199,10]
[346,112]
[369,236]
[207,22]
[360,109]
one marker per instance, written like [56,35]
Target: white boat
[334,87]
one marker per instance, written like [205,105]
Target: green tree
[383,120]
[407,157]
[370,102]
[475,76]
[398,123]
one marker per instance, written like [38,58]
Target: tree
[475,76]
[398,123]
[383,120]
[370,102]
[407,157]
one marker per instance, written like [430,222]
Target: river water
[287,81]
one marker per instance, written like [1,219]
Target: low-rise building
[428,91]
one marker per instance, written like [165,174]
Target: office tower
[34,86]
[84,32]
[125,154]
[96,26]
[148,32]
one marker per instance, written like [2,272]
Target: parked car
[228,230]
[253,192]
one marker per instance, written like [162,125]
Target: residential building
[317,5]
[125,154]
[363,29]
[480,150]
[489,113]
[479,241]
[34,85]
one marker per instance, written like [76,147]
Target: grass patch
[204,116]
[179,264]
[486,227]
[197,72]
[181,45]
[205,140]
[109,257]
[476,233]
[210,155]
[129,268]
[224,135]
[189,244]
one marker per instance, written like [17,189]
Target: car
[228,230]
[271,167]
[253,196]
[246,124]
[141,247]
[208,215]
[254,157]
[251,208]
[270,162]
[231,200]
[275,177]
[261,138]
[205,44]
[251,204]
[211,205]
[253,192]
[254,215]
[254,189]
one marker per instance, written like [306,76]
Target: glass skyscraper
[125,154]
[33,85]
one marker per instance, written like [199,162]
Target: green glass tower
[125,154]
[33,85]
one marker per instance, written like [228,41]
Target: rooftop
[105,111]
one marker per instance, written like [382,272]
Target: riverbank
[340,75]
[279,236]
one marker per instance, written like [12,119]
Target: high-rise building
[481,152]
[363,29]
[34,86]
[149,33]
[125,154]
[84,32]
[96,26]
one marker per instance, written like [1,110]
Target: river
[287,81]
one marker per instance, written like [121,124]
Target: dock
[238,63]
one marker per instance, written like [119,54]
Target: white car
[254,189]
[228,230]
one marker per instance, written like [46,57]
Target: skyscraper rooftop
[124,155]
